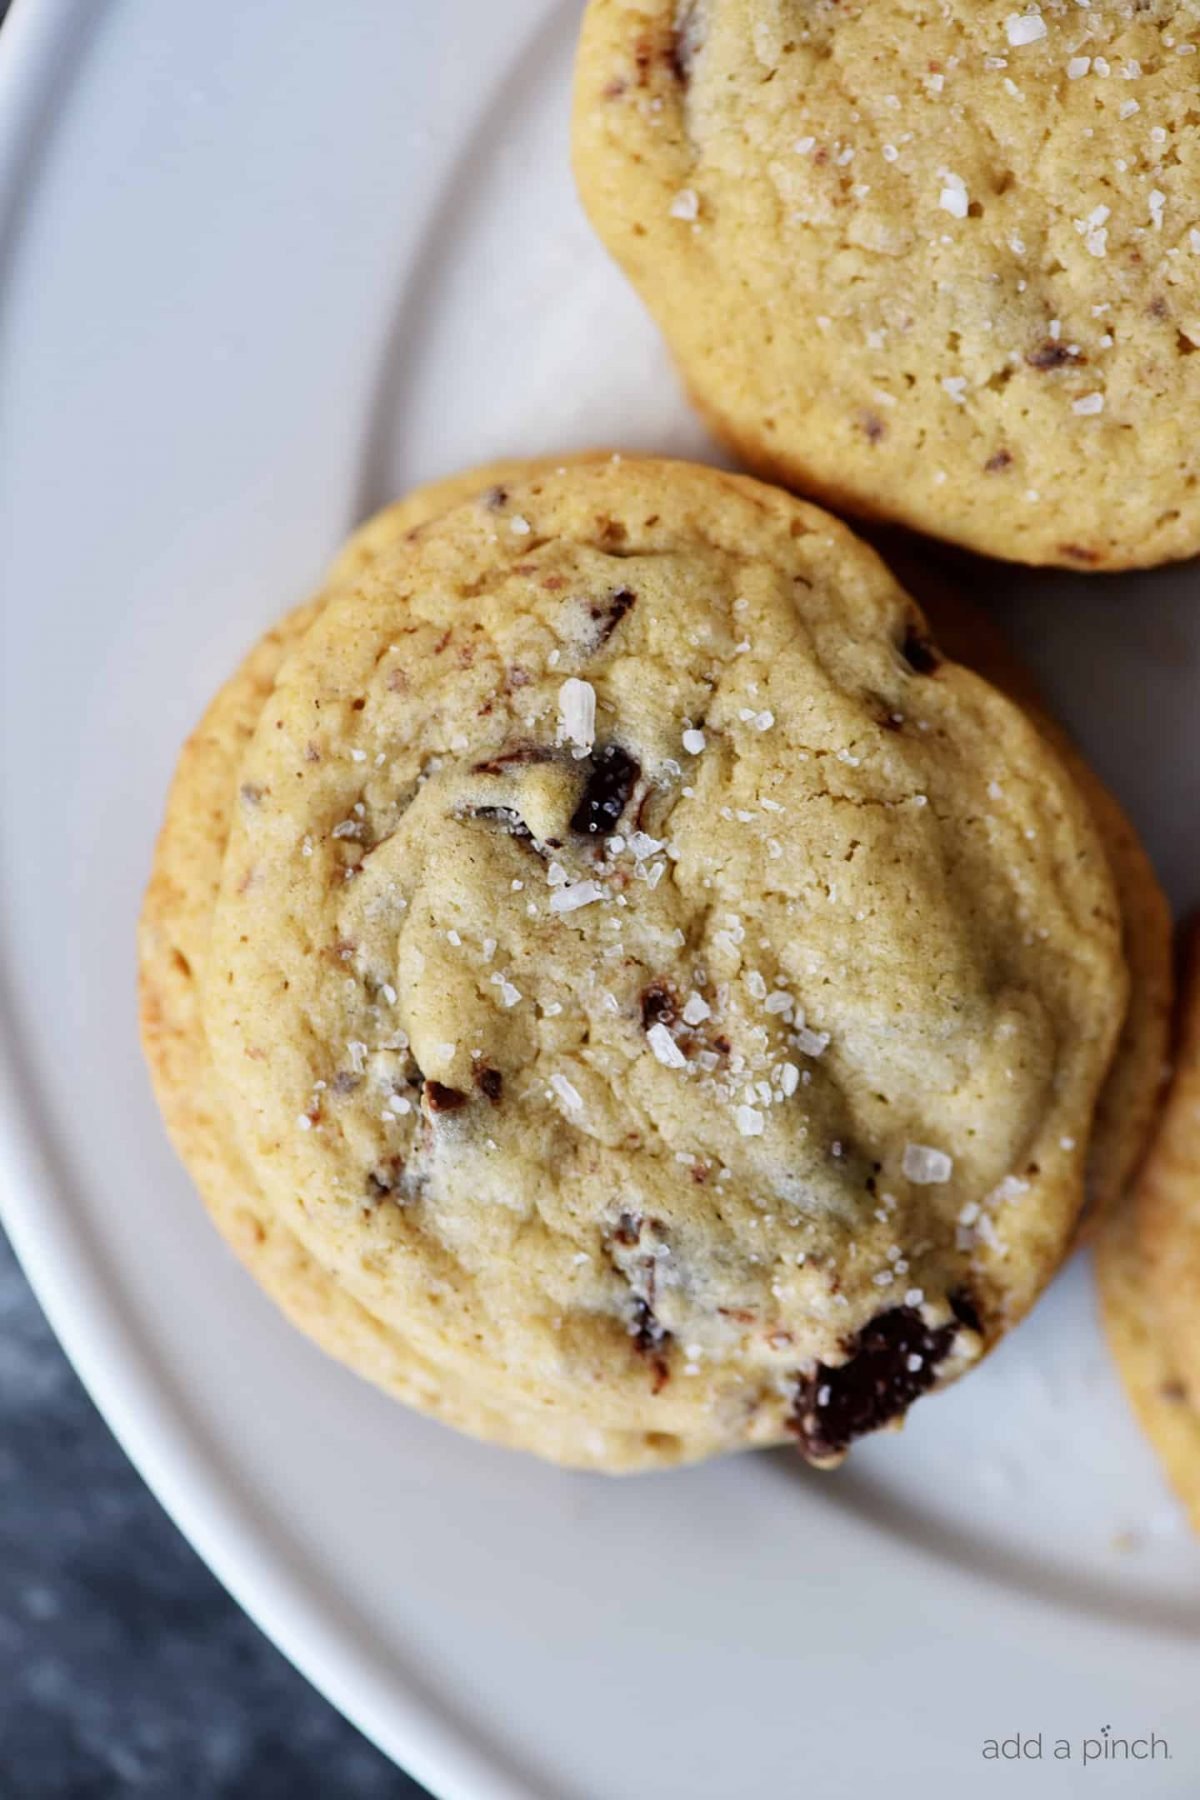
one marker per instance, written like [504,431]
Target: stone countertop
[125,1669]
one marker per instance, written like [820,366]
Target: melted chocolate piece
[606,793]
[963,1306]
[658,1005]
[833,1406]
[491,1083]
[628,1229]
[609,616]
[441,1099]
[1052,355]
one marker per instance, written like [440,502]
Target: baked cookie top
[644,971]
[938,263]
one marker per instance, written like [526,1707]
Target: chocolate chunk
[997,462]
[879,1381]
[628,1228]
[609,616]
[441,1099]
[963,1306]
[607,791]
[491,1083]
[919,651]
[1052,355]
[658,1005]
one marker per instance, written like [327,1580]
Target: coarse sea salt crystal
[925,1166]
[1024,28]
[685,205]
[1011,1188]
[568,1093]
[643,845]
[577,712]
[693,742]
[812,1043]
[1088,404]
[577,894]
[748,1121]
[519,525]
[696,1010]
[953,195]
[665,1049]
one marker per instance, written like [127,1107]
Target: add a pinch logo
[1105,1747]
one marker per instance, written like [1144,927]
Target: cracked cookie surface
[611,1193]
[932,263]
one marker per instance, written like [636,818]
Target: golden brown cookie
[458,1386]
[933,264]
[1168,1199]
[1148,1266]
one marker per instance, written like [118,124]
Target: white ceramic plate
[264,266]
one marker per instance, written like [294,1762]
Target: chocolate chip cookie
[623,989]
[934,264]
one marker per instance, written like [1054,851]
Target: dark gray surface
[125,1669]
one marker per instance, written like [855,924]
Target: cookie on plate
[935,264]
[620,988]
[1148,1266]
